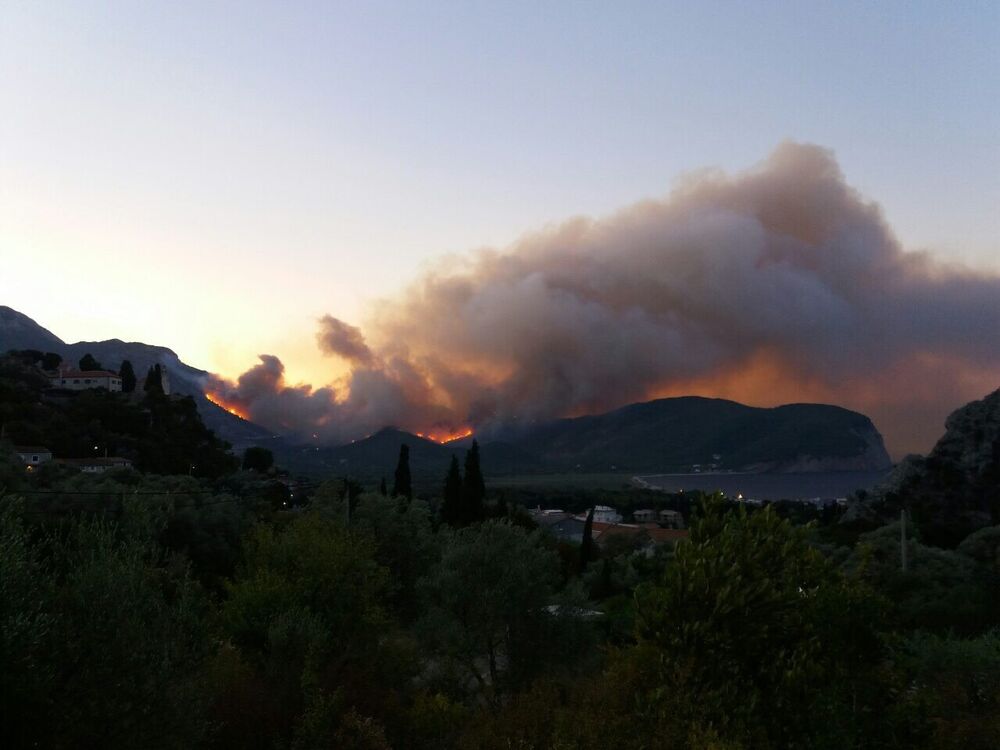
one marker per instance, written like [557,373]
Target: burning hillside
[775,285]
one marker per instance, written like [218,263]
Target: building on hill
[646,515]
[82,380]
[568,527]
[606,514]
[671,518]
[33,455]
[560,524]
[96,465]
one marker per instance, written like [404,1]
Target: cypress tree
[451,508]
[128,376]
[587,546]
[382,489]
[473,486]
[402,485]
[154,380]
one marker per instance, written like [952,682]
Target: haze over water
[771,486]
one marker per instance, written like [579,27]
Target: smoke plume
[774,285]
[337,338]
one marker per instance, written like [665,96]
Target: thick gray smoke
[337,338]
[774,285]
[390,392]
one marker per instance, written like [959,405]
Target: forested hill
[159,434]
[18,331]
[658,436]
[674,434]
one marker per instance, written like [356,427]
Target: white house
[33,455]
[81,380]
[606,514]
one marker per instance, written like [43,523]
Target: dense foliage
[179,612]
[231,608]
[160,434]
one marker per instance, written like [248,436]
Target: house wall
[604,514]
[82,384]
[33,459]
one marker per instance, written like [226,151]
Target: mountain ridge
[680,433]
[683,433]
[18,331]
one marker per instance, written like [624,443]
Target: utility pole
[902,539]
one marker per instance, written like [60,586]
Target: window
[34,459]
[76,380]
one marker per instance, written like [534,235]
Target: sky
[215,177]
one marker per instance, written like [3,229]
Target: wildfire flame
[215,399]
[447,437]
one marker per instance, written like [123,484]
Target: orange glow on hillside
[765,378]
[445,438]
[217,400]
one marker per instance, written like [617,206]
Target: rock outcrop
[956,487]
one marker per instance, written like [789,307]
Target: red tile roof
[667,535]
[655,535]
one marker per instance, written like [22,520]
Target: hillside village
[648,529]
[83,417]
[64,381]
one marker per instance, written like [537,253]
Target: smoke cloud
[337,338]
[775,285]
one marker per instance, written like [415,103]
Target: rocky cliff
[956,487]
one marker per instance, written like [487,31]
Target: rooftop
[604,531]
[87,374]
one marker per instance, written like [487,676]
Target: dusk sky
[215,177]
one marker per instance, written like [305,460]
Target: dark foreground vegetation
[241,609]
[213,620]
